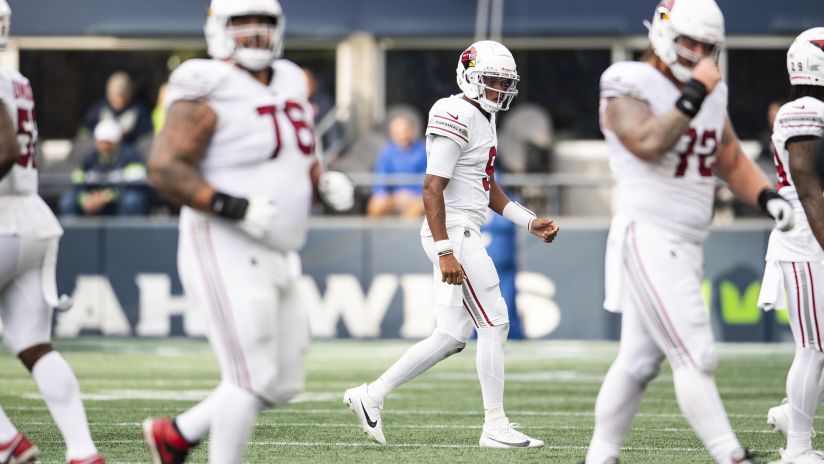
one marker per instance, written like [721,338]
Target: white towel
[614,264]
[772,295]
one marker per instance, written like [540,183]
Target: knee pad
[282,392]
[451,344]
[642,369]
[706,359]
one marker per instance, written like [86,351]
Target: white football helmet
[221,34]
[805,58]
[5,23]
[488,66]
[699,20]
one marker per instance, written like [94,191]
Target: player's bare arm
[543,228]
[433,205]
[640,131]
[648,136]
[9,150]
[808,183]
[744,177]
[747,181]
[177,152]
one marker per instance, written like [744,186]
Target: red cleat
[164,441]
[18,450]
[93,459]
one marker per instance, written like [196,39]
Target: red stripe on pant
[814,309]
[475,297]
[798,303]
[663,311]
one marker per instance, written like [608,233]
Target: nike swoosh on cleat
[368,419]
[517,445]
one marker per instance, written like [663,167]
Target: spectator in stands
[111,179]
[765,138]
[405,153]
[119,105]
[159,112]
[321,101]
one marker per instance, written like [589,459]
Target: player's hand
[259,216]
[707,73]
[782,211]
[545,229]
[336,190]
[451,270]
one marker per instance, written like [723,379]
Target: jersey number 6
[297,116]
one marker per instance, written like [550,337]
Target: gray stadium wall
[373,281]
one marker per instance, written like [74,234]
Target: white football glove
[336,190]
[782,211]
[259,216]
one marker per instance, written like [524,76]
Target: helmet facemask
[248,32]
[256,44]
[677,22]
[502,89]
[682,71]
[486,73]
[5,24]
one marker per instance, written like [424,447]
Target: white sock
[378,390]
[7,429]
[232,423]
[194,423]
[615,408]
[489,361]
[701,405]
[417,359]
[802,393]
[60,391]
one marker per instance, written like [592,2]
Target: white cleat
[808,457]
[507,437]
[779,418]
[367,411]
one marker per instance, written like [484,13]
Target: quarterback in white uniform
[461,146]
[29,235]
[665,123]
[237,150]
[795,258]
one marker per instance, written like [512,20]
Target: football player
[461,146]
[237,152]
[794,257]
[29,235]
[668,134]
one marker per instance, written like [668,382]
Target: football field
[550,391]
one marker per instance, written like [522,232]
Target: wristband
[443,247]
[692,96]
[228,206]
[519,215]
[765,196]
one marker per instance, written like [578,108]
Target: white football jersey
[466,197]
[264,142]
[676,190]
[22,211]
[800,118]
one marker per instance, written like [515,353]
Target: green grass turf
[550,391]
